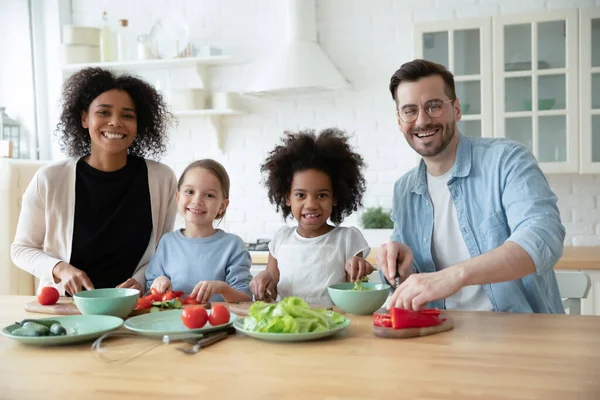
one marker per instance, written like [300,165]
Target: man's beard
[434,149]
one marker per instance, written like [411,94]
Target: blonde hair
[215,168]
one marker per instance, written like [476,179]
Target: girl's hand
[205,289]
[131,283]
[73,279]
[357,267]
[161,284]
[264,286]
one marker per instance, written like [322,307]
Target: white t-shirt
[308,265]
[448,246]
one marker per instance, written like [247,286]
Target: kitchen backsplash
[368,41]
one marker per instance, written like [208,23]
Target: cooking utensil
[206,341]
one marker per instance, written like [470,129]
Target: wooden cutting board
[65,306]
[413,332]
[241,309]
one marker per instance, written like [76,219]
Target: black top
[113,221]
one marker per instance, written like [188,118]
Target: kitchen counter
[574,258]
[487,355]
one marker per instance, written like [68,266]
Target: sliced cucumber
[155,309]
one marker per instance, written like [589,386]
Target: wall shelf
[154,64]
[213,119]
[207,112]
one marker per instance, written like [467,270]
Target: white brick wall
[367,40]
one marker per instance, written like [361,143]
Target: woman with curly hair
[313,179]
[94,220]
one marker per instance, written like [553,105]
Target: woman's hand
[205,289]
[73,279]
[162,284]
[131,283]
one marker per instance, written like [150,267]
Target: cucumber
[58,330]
[32,330]
[154,309]
[45,322]
[177,304]
[157,303]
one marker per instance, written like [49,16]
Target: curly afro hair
[330,153]
[153,117]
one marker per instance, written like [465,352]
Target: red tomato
[143,303]
[48,296]
[219,315]
[168,296]
[190,300]
[194,317]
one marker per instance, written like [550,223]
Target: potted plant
[377,226]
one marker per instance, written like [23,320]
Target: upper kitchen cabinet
[464,47]
[589,49]
[535,85]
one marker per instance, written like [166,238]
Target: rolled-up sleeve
[531,208]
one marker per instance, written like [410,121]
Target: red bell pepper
[178,294]
[144,303]
[190,300]
[402,318]
[383,320]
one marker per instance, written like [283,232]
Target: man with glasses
[476,226]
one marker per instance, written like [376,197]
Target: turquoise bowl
[115,302]
[543,104]
[359,302]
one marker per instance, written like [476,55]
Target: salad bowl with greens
[360,298]
[290,320]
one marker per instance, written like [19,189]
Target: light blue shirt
[187,261]
[500,194]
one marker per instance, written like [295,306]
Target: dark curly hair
[153,116]
[330,153]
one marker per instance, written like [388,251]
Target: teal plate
[289,337]
[169,323]
[80,328]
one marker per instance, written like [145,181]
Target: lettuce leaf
[290,315]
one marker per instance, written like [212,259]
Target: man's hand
[356,268]
[395,256]
[73,279]
[419,289]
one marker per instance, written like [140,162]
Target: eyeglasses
[433,108]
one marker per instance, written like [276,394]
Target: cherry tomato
[194,317]
[219,315]
[48,296]
[143,303]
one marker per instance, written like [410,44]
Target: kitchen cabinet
[464,47]
[538,77]
[535,85]
[589,72]
[162,72]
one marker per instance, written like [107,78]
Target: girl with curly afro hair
[313,178]
[94,220]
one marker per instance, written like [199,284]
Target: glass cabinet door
[589,53]
[464,47]
[535,100]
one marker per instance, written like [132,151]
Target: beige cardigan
[45,229]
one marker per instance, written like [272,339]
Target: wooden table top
[574,258]
[487,356]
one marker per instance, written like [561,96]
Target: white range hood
[300,67]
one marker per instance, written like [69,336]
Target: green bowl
[115,302]
[543,104]
[359,302]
